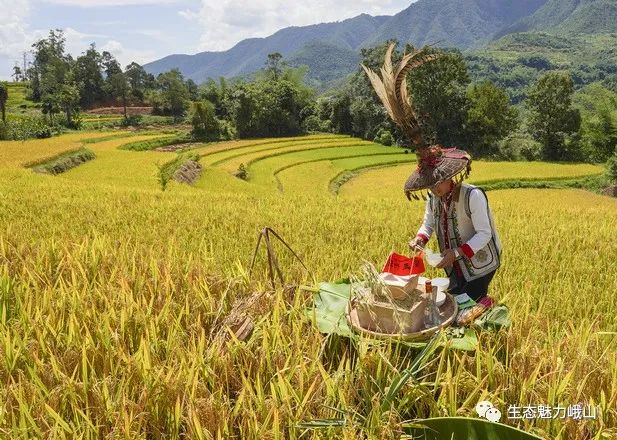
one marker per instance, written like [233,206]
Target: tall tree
[139,81]
[438,91]
[54,76]
[110,67]
[204,122]
[174,93]
[17,73]
[242,106]
[88,71]
[209,91]
[68,98]
[274,65]
[192,89]
[340,116]
[110,64]
[490,117]
[4,96]
[601,133]
[46,52]
[553,122]
[120,88]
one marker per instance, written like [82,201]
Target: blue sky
[146,30]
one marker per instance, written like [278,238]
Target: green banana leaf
[463,428]
[329,309]
[496,318]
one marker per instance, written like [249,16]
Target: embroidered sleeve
[426,230]
[478,206]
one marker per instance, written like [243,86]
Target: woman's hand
[448,259]
[416,244]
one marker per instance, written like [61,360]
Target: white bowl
[432,258]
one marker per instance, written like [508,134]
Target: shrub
[64,162]
[205,124]
[311,124]
[611,165]
[131,121]
[151,144]
[242,172]
[27,127]
[384,137]
[228,130]
[519,146]
[168,169]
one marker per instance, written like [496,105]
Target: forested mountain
[248,55]
[570,17]
[555,28]
[453,23]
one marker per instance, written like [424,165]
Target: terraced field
[17,102]
[383,181]
[113,295]
[18,154]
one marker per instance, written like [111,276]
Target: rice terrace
[112,291]
[342,230]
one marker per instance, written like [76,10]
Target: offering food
[432,258]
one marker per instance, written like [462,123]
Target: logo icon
[485,409]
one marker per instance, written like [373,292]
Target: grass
[17,102]
[326,175]
[92,121]
[64,162]
[151,144]
[112,293]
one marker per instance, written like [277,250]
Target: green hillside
[570,17]
[326,61]
[249,55]
[17,102]
[463,24]
[515,61]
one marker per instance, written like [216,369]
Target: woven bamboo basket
[385,321]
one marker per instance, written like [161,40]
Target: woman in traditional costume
[456,212]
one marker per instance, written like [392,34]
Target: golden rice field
[382,181]
[112,293]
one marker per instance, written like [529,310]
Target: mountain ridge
[332,50]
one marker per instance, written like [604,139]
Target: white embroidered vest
[460,230]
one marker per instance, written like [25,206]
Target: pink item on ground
[487,302]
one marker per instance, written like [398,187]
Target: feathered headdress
[435,163]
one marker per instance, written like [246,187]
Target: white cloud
[126,55]
[100,3]
[226,22]
[13,27]
[155,34]
[189,15]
